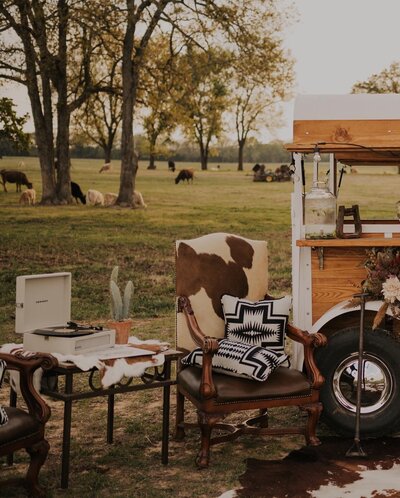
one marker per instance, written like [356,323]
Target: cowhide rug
[326,472]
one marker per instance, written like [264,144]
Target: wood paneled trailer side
[355,130]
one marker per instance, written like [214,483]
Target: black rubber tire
[342,348]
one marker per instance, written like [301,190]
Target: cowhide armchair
[206,269]
[25,428]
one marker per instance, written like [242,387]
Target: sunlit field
[88,241]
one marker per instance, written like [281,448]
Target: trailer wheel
[380,398]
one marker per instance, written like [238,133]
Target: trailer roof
[361,106]
[358,128]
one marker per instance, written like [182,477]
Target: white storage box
[43,305]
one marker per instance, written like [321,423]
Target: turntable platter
[64,332]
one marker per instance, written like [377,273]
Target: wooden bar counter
[338,267]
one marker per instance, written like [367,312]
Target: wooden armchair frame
[211,410]
[26,429]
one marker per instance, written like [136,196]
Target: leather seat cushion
[19,426]
[282,383]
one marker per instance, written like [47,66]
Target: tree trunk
[128,162]
[63,169]
[152,153]
[240,154]
[107,154]
[152,161]
[42,117]
[63,113]
[203,156]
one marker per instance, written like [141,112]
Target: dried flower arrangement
[383,272]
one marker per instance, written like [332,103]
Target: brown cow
[14,176]
[185,174]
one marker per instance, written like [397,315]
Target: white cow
[28,197]
[109,199]
[138,201]
[95,197]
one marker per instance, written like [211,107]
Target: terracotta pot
[122,330]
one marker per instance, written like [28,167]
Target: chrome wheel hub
[376,388]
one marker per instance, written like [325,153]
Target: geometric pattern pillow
[239,360]
[259,323]
[3,414]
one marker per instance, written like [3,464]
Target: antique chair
[24,429]
[208,268]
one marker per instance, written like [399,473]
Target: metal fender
[341,309]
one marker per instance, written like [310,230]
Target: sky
[339,42]
[335,43]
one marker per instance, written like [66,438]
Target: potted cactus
[120,308]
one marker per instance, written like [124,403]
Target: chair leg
[38,453]
[264,420]
[206,423]
[314,411]
[180,416]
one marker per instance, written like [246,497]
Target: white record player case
[44,301]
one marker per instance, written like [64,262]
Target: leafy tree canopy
[11,125]
[387,81]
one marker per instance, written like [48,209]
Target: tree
[11,125]
[39,41]
[100,116]
[204,96]
[257,92]
[387,81]
[158,94]
[209,23]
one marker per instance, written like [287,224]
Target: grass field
[88,241]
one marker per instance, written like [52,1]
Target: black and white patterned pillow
[239,360]
[258,323]
[3,414]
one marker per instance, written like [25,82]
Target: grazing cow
[28,197]
[138,201]
[105,167]
[14,176]
[185,174]
[77,193]
[171,165]
[95,198]
[110,199]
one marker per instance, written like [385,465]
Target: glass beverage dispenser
[319,208]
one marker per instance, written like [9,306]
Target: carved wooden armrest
[316,340]
[208,344]
[310,342]
[26,366]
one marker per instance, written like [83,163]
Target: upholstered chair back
[212,265]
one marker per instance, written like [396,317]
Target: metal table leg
[110,418]
[165,421]
[66,445]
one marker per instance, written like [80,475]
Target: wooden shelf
[360,242]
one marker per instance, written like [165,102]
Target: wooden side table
[153,378]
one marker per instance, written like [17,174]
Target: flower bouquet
[383,272]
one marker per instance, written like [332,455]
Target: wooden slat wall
[370,133]
[340,278]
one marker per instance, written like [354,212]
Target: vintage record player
[43,315]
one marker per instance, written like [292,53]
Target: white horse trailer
[356,131]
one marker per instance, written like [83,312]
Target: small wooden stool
[355,215]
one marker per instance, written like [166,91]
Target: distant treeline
[273,152]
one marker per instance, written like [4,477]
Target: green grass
[88,241]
